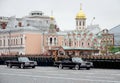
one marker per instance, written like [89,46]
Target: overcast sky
[106,12]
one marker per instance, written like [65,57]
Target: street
[55,75]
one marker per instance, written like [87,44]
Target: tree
[113,49]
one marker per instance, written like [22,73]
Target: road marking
[63,78]
[100,77]
[57,74]
[82,73]
[116,74]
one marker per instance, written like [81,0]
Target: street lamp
[43,41]
[11,24]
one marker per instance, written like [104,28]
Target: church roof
[81,14]
[77,48]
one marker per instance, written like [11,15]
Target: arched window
[4,42]
[88,44]
[50,40]
[65,44]
[16,42]
[55,41]
[82,43]
[20,24]
[75,43]
[77,23]
[70,42]
[21,41]
[80,23]
[0,42]
[83,23]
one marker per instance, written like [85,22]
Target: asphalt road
[55,75]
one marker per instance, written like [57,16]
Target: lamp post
[11,24]
[43,41]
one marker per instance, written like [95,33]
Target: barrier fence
[41,60]
[99,61]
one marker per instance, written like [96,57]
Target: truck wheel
[77,67]
[9,65]
[22,66]
[60,66]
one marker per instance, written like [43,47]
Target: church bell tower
[80,20]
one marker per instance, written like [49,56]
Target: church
[79,41]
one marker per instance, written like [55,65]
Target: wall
[33,43]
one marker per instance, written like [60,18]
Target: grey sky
[106,12]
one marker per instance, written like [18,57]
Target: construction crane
[92,20]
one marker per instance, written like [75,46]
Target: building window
[65,44]
[79,43]
[82,43]
[83,23]
[4,42]
[0,42]
[21,41]
[11,42]
[77,23]
[75,43]
[55,41]
[70,42]
[16,42]
[88,44]
[62,43]
[37,13]
[50,40]
[8,42]
[20,24]
[80,23]
[47,21]
[28,24]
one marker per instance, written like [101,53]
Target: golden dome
[80,14]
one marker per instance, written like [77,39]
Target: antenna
[80,6]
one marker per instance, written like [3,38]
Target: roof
[77,48]
[80,14]
[27,28]
[115,29]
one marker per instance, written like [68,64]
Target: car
[74,62]
[21,62]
